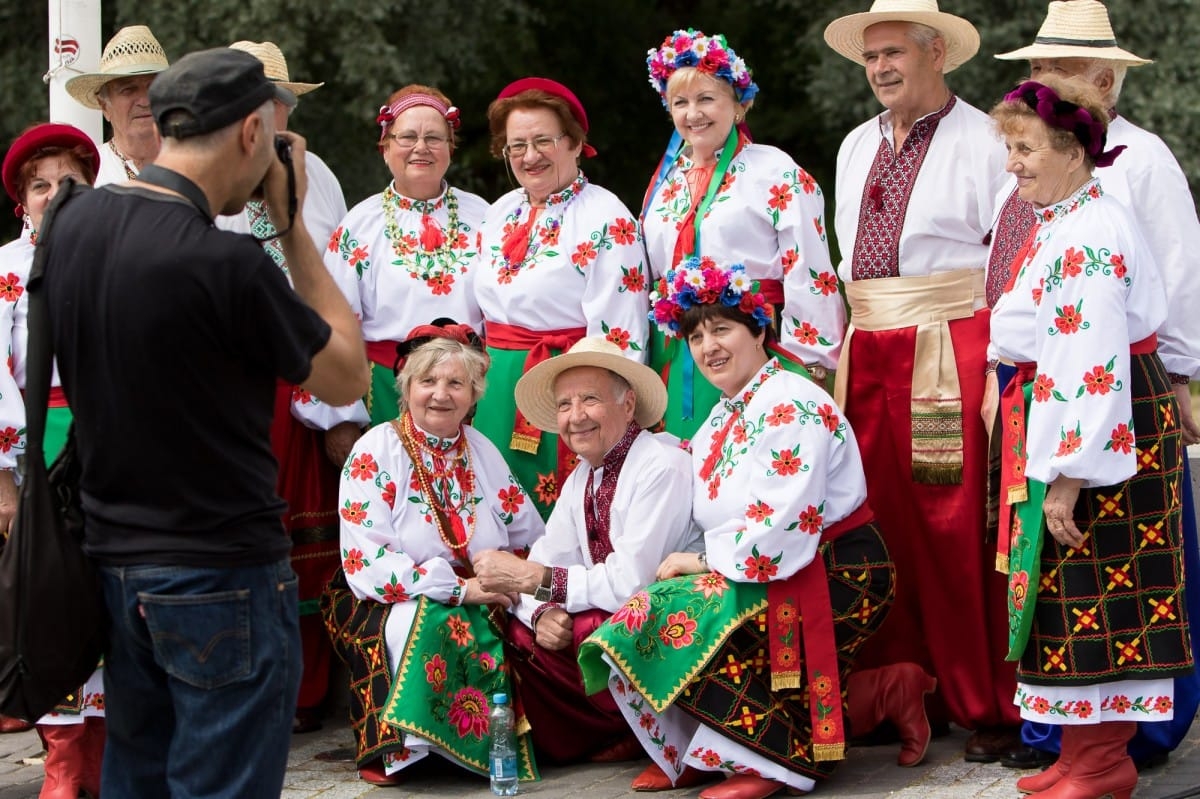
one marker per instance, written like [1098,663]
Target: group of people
[601,472]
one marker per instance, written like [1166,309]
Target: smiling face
[703,109]
[417,151]
[594,410]
[545,170]
[905,76]
[728,354]
[440,399]
[1044,174]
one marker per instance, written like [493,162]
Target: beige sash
[929,303]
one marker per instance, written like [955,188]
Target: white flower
[739,282]
[700,46]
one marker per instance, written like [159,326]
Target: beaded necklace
[129,173]
[438,260]
[445,514]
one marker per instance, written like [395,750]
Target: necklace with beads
[445,514]
[424,263]
[129,173]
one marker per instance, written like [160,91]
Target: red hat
[38,137]
[558,90]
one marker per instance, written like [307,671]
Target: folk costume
[550,276]
[912,224]
[755,206]
[1107,623]
[414,507]
[777,477]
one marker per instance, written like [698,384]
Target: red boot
[1100,764]
[93,755]
[1057,770]
[896,693]
[64,760]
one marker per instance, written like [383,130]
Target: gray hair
[1119,69]
[435,352]
[922,35]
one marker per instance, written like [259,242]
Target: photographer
[170,336]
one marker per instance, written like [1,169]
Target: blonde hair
[435,352]
[686,78]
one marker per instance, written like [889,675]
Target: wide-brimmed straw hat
[275,65]
[131,51]
[535,390]
[845,34]
[1075,29]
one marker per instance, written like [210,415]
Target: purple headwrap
[1065,115]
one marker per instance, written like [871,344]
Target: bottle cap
[500,699]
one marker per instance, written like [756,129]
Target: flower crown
[699,281]
[709,54]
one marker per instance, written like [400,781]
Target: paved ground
[868,773]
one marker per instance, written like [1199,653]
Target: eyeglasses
[408,141]
[543,144]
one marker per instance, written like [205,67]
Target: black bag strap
[40,365]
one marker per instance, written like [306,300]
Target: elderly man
[310,439]
[915,193]
[1077,39]
[203,665]
[119,89]
[624,508]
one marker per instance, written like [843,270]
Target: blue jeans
[201,680]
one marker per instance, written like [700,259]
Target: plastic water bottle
[501,725]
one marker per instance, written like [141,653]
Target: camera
[283,150]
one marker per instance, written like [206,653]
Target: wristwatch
[542,592]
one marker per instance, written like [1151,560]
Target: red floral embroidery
[435,672]
[826,282]
[781,195]
[1163,704]
[9,438]
[355,512]
[782,414]
[678,631]
[1068,319]
[1120,703]
[1118,262]
[547,489]
[363,467]
[811,520]
[759,511]
[711,584]
[760,568]
[806,182]
[1070,442]
[332,246]
[353,561]
[389,494]
[807,334]
[1072,262]
[440,284]
[511,499]
[786,462]
[1122,439]
[1083,709]
[10,288]
[633,613]
[469,713]
[460,631]
[393,592]
[634,279]
[1098,381]
[623,231]
[829,418]
[584,254]
[1043,388]
[790,259]
[358,254]
[619,337]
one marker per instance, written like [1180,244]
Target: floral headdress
[388,113]
[709,54]
[700,281]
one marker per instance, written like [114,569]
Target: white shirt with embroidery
[1086,291]
[952,204]
[16,260]
[650,517]
[113,168]
[786,467]
[768,214]
[585,267]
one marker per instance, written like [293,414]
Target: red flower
[790,258]
[811,520]
[300,396]
[460,631]
[393,592]
[1120,703]
[506,274]
[807,334]
[760,567]
[619,337]
[826,283]
[1118,262]
[1083,709]
[363,467]
[646,721]
[359,254]
[786,462]
[634,279]
[806,182]
[9,438]
[511,499]
[440,284]
[782,414]
[435,673]
[1018,587]
[10,287]
[584,254]
[1041,705]
[353,561]
[547,489]
[469,713]
[1122,439]
[1163,704]
[1071,442]
[1043,388]
[781,195]
[678,631]
[671,753]
[623,231]
[1098,381]
[711,758]
[759,511]
[355,512]
[1068,320]
[633,613]
[389,494]
[829,418]
[1072,262]
[711,584]
[332,246]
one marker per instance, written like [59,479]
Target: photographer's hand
[275,184]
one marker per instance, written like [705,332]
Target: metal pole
[75,48]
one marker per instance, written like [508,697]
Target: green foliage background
[810,97]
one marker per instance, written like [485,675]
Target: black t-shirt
[169,336]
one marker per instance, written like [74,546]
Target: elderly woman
[562,259]
[412,246]
[34,168]
[1091,454]
[763,626]
[719,195]
[419,496]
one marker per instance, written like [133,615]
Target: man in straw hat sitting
[310,439]
[119,89]
[1076,39]
[915,192]
[171,379]
[625,507]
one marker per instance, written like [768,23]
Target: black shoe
[1026,757]
[988,745]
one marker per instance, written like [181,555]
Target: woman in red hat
[560,259]
[36,165]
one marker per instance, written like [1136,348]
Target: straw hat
[1076,29]
[275,65]
[131,51]
[535,390]
[845,34]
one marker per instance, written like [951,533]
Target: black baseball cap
[215,88]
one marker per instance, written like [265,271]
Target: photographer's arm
[339,371]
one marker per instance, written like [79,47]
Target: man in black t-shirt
[170,335]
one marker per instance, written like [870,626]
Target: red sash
[800,606]
[382,352]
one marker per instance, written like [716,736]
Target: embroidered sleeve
[14,308]
[612,259]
